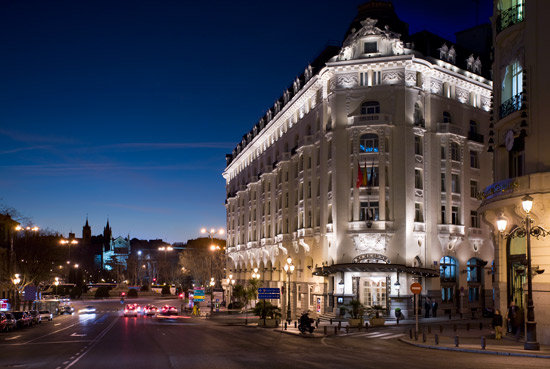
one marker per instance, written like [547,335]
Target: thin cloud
[28,148]
[168,146]
[23,136]
[64,168]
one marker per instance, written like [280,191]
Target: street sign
[269,293]
[199,294]
[416,288]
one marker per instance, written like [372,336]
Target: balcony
[371,119]
[450,128]
[476,137]
[511,105]
[306,141]
[511,16]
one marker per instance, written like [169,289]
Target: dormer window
[370,47]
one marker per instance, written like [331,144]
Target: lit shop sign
[499,188]
[368,149]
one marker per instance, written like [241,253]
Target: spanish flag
[359,181]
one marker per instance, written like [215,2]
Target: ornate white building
[366,173]
[520,139]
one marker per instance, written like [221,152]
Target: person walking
[434,308]
[511,319]
[497,324]
[427,307]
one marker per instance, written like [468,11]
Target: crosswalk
[378,335]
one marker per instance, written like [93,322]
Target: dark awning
[375,267]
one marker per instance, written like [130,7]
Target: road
[108,340]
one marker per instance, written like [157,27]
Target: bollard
[285,326]
[330,321]
[347,328]
[429,329]
[339,325]
[467,326]
[456,341]
[410,334]
[437,339]
[454,327]
[480,326]
[423,337]
[483,342]
[335,330]
[295,325]
[325,330]
[441,329]
[366,326]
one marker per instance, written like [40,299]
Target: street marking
[57,324]
[12,338]
[78,334]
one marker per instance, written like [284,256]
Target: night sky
[125,109]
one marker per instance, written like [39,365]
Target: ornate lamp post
[289,268]
[527,231]
[213,248]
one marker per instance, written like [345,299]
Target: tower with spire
[86,233]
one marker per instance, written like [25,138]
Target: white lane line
[96,341]
[393,336]
[78,334]
[57,324]
[59,330]
[12,338]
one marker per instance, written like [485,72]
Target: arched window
[447,269]
[447,117]
[368,143]
[370,107]
[475,270]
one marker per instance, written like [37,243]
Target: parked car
[66,309]
[3,321]
[10,322]
[22,319]
[46,315]
[36,318]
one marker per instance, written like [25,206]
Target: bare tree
[203,263]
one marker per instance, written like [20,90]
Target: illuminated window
[447,268]
[369,211]
[368,143]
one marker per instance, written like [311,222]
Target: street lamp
[69,242]
[213,248]
[16,280]
[289,268]
[165,249]
[527,231]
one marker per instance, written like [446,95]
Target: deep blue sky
[126,109]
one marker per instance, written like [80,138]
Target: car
[87,310]
[21,319]
[10,322]
[168,310]
[46,315]
[130,311]
[66,309]
[35,316]
[150,310]
[3,321]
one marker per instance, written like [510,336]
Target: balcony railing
[511,105]
[473,136]
[450,128]
[511,16]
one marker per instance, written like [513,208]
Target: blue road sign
[269,293]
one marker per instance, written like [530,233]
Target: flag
[365,174]
[372,175]
[359,176]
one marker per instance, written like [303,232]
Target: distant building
[7,230]
[366,173]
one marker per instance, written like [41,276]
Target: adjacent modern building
[366,174]
[519,138]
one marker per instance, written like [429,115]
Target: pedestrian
[427,308]
[434,308]
[511,318]
[497,324]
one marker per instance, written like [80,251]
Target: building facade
[519,139]
[366,174]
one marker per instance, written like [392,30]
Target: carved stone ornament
[435,87]
[372,258]
[370,242]
[393,76]
[462,95]
[410,78]
[347,80]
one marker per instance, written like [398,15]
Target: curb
[475,351]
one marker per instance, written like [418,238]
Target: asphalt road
[108,340]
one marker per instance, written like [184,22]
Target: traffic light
[123,294]
[181,296]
